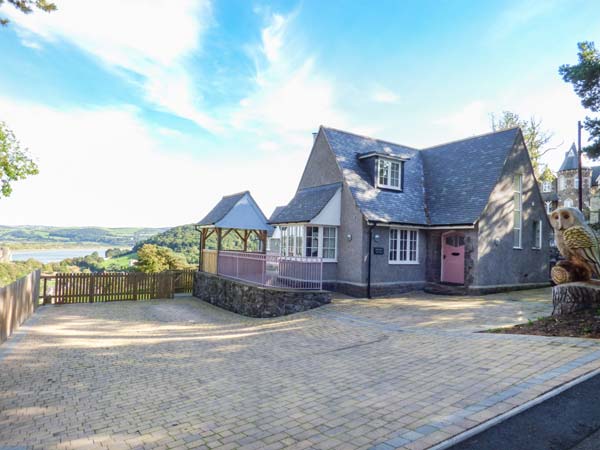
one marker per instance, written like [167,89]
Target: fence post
[92,287]
[45,301]
[135,286]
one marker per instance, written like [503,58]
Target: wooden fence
[114,286]
[18,301]
[209,261]
[183,281]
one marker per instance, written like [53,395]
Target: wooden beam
[245,239]
[264,241]
[218,248]
[201,247]
[209,233]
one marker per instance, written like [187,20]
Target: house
[568,181]
[387,218]
[549,189]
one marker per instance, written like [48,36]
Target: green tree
[585,78]
[154,259]
[15,163]
[547,175]
[536,138]
[26,6]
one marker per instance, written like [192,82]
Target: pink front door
[453,257]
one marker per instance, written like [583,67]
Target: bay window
[309,241]
[404,246]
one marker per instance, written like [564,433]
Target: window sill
[389,188]
[403,263]
[517,248]
[536,248]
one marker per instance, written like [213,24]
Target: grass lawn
[120,263]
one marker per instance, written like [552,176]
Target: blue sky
[145,113]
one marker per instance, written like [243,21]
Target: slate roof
[306,204]
[380,204]
[550,196]
[570,161]
[460,175]
[276,211]
[222,208]
[447,184]
[595,174]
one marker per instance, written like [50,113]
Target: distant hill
[44,235]
[183,239]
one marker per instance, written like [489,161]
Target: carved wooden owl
[575,239]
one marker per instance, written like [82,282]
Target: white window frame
[518,189]
[388,183]
[538,241]
[395,236]
[322,243]
[562,183]
[576,182]
[547,186]
[312,241]
[570,203]
[548,207]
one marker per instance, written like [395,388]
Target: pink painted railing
[272,270]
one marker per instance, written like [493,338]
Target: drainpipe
[371,227]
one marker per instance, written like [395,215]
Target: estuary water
[55,254]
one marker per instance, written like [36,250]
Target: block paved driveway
[406,372]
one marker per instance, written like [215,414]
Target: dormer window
[547,186]
[389,174]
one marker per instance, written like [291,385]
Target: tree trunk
[571,297]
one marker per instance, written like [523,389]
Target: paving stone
[402,372]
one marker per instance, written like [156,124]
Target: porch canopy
[238,214]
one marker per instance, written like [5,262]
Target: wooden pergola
[239,214]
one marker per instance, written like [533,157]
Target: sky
[145,113]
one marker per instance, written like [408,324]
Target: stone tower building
[568,182]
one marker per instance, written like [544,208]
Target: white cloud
[520,14]
[150,38]
[383,95]
[104,167]
[471,119]
[553,103]
[292,98]
[272,37]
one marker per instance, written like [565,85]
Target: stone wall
[255,301]
[377,290]
[570,191]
